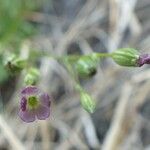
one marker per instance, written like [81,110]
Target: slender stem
[74,76]
[75,57]
[104,54]
[70,69]
[78,87]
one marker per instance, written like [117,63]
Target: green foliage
[13,24]
[3,72]
[14,28]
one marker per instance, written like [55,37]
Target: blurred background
[121,120]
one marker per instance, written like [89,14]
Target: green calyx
[15,64]
[32,76]
[33,102]
[86,66]
[126,57]
[87,102]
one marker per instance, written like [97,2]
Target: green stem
[104,54]
[78,87]
[69,68]
[75,57]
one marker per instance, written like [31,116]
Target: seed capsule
[86,66]
[126,57]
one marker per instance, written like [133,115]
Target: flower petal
[30,90]
[23,103]
[144,59]
[27,116]
[45,100]
[42,112]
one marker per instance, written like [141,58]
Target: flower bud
[32,76]
[126,57]
[86,66]
[87,102]
[15,64]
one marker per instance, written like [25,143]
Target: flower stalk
[35,104]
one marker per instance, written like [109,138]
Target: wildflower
[34,104]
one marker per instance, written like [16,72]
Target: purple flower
[143,59]
[34,104]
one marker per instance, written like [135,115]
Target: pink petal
[42,112]
[45,100]
[27,116]
[23,104]
[30,90]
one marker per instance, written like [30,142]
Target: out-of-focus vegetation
[3,72]
[15,27]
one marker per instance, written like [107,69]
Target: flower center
[32,102]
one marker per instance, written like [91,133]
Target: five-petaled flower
[34,104]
